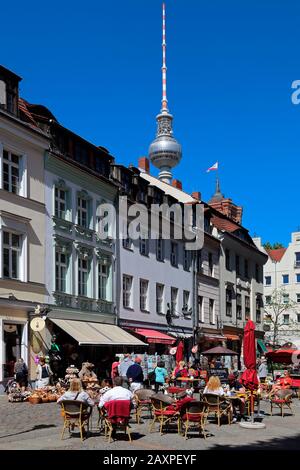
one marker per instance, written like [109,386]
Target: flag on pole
[215,167]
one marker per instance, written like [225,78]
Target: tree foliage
[273,246]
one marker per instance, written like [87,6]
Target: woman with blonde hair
[75,392]
[214,386]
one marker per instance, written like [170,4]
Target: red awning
[232,337]
[153,336]
[283,356]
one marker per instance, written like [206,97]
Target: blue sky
[96,65]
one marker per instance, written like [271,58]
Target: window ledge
[128,308]
[145,311]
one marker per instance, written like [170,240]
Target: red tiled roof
[25,114]
[276,255]
[224,224]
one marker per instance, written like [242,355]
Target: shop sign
[37,324]
[221,373]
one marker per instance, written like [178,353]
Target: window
[174,254]
[159,298]
[258,308]
[285,298]
[82,212]
[11,172]
[298,298]
[144,295]
[186,302]
[237,265]
[268,280]
[227,260]
[186,260]
[285,279]
[200,309]
[268,299]
[297,260]
[103,276]
[229,302]
[127,243]
[60,203]
[286,319]
[210,264]
[298,317]
[211,311]
[199,261]
[238,306]
[144,246]
[127,287]
[257,273]
[160,249]
[174,295]
[298,278]
[11,255]
[247,306]
[83,272]
[61,269]
[246,268]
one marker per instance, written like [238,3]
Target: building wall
[76,181]
[286,266]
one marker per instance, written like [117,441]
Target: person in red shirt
[286,381]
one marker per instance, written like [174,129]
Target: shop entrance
[12,338]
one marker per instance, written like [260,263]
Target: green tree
[274,246]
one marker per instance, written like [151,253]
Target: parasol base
[249,425]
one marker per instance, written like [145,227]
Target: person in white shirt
[116,393]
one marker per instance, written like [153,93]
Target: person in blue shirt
[160,375]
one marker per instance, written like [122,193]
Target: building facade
[22,222]
[282,274]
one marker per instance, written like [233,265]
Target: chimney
[177,184]
[144,165]
[196,195]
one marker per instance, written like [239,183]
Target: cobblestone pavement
[26,426]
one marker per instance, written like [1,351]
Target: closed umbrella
[249,378]
[179,352]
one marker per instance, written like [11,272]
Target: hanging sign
[37,324]
[173,351]
[10,328]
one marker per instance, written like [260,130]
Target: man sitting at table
[236,386]
[116,393]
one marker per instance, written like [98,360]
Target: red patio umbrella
[179,352]
[249,378]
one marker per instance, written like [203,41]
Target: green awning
[262,346]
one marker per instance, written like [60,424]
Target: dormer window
[9,91]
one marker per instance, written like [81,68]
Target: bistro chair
[282,399]
[164,413]
[193,415]
[143,402]
[219,406]
[102,421]
[75,414]
[117,417]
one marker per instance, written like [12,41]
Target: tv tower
[164,152]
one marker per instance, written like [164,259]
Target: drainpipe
[117,270]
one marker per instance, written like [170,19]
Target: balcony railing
[104,306]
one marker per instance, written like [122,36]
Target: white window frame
[127,290]
[174,300]
[212,314]
[59,201]
[160,289]
[144,288]
[83,271]
[11,249]
[61,266]
[22,167]
[81,211]
[103,278]
[186,300]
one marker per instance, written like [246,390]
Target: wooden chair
[164,413]
[143,402]
[219,406]
[282,399]
[75,414]
[117,417]
[193,414]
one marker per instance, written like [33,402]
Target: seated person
[75,392]
[235,385]
[105,386]
[281,383]
[116,393]
[214,386]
